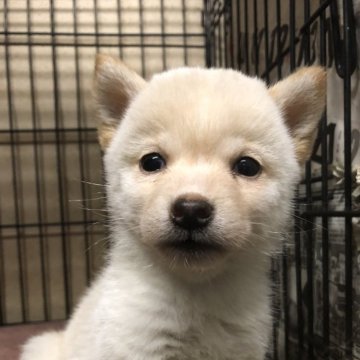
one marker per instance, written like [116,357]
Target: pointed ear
[301,98]
[115,86]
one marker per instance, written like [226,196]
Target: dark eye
[152,162]
[247,166]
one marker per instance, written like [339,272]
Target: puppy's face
[202,165]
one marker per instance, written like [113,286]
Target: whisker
[89,199]
[92,183]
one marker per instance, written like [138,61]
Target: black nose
[191,213]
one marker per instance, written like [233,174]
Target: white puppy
[201,166]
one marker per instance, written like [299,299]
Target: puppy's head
[201,164]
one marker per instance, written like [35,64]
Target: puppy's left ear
[115,85]
[301,98]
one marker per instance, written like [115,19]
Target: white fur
[147,306]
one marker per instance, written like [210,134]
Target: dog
[201,166]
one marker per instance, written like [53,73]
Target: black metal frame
[244,30]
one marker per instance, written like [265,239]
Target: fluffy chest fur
[144,314]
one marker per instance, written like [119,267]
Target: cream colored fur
[151,305]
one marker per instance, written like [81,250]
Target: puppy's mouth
[192,246]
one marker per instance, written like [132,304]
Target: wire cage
[317,307]
[51,222]
[52,226]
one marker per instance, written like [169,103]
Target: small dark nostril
[191,214]
[204,211]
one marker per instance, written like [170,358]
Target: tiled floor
[12,337]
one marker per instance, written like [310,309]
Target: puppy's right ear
[115,86]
